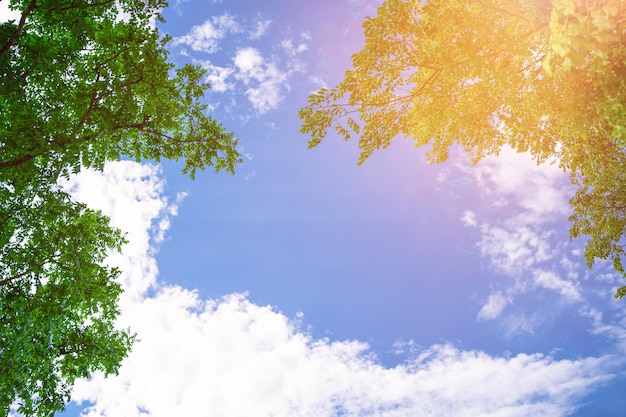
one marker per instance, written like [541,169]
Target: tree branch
[16,162]
[14,277]
[20,27]
[92,103]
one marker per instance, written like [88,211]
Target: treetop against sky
[305,284]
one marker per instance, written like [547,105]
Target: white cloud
[496,303]
[206,37]
[541,190]
[204,357]
[614,330]
[263,82]
[515,249]
[231,357]
[292,49]
[201,38]
[249,62]
[217,77]
[260,28]
[227,23]
[132,195]
[264,79]
[517,237]
[551,280]
[469,218]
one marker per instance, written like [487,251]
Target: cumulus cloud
[206,37]
[264,79]
[204,357]
[249,62]
[132,195]
[231,357]
[218,77]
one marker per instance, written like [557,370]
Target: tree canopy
[546,77]
[82,82]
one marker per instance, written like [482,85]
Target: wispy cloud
[519,233]
[202,356]
[493,307]
[294,48]
[551,280]
[613,329]
[259,28]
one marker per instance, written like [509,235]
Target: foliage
[58,302]
[547,77]
[82,82]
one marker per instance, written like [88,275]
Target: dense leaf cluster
[547,77]
[82,82]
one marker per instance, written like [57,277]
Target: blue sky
[307,286]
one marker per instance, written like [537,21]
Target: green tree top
[81,86]
[547,77]
[82,82]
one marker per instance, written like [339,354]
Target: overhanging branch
[20,27]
